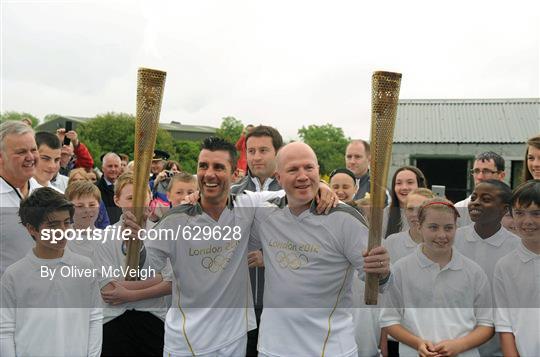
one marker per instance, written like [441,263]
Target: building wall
[406,153]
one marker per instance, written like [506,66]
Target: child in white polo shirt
[44,314]
[440,302]
[133,320]
[516,279]
[404,243]
[485,241]
[85,196]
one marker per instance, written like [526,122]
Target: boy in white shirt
[516,282]
[48,165]
[440,302]
[135,310]
[85,196]
[404,243]
[49,315]
[486,240]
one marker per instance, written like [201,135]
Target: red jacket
[84,159]
[241,148]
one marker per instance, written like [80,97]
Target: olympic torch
[150,85]
[384,102]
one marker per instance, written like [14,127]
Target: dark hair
[169,165]
[124,157]
[367,148]
[49,139]
[214,143]
[263,130]
[534,142]
[505,192]
[394,219]
[526,194]
[343,171]
[35,209]
[490,155]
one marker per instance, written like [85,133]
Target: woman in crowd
[405,179]
[531,168]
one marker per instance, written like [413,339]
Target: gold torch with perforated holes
[384,103]
[150,85]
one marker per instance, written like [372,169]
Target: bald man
[308,260]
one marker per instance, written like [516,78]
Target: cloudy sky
[284,63]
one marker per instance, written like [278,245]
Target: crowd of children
[468,291]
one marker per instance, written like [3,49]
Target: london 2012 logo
[216,263]
[291,260]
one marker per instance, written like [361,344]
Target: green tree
[188,154]
[230,129]
[329,144]
[11,115]
[115,132]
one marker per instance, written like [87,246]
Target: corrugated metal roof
[172,126]
[175,126]
[467,120]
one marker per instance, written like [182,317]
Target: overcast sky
[284,63]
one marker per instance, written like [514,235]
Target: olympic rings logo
[217,263]
[291,260]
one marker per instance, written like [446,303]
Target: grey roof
[467,120]
[172,126]
[176,126]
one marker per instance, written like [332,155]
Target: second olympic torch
[384,102]
[150,85]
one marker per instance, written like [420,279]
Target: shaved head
[298,174]
[293,150]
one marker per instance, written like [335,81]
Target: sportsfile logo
[193,233]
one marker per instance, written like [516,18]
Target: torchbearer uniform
[516,286]
[44,317]
[212,306]
[486,253]
[437,304]
[309,266]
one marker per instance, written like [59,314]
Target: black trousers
[253,336]
[134,333]
[393,348]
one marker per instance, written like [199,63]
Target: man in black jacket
[111,164]
[262,145]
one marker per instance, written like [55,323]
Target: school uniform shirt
[463,208]
[43,317]
[399,245]
[212,306]
[15,241]
[112,254]
[516,287]
[486,253]
[60,182]
[437,304]
[51,185]
[309,265]
[86,246]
